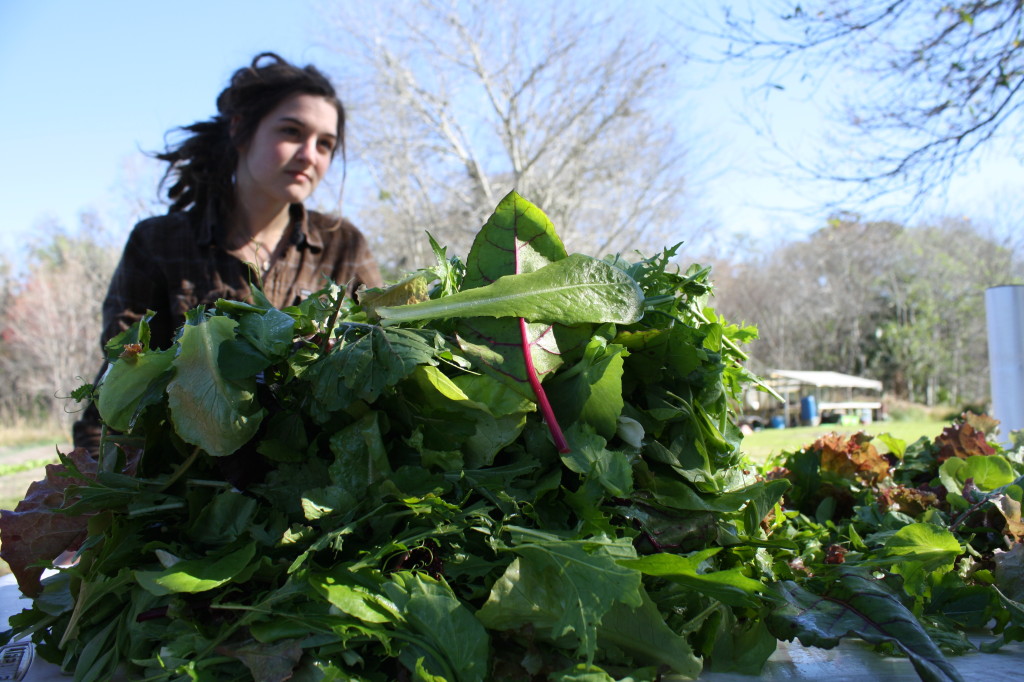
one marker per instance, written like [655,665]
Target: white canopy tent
[842,393]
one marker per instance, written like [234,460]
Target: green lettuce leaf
[210,411]
[127,383]
[922,550]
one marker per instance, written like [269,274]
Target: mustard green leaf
[591,390]
[590,458]
[271,332]
[442,620]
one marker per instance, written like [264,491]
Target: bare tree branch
[457,103]
[943,81]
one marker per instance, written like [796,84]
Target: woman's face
[289,152]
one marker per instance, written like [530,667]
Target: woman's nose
[307,150]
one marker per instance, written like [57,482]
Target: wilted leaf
[1010,509]
[412,289]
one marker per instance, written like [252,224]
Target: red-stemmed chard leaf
[542,399]
[524,305]
[517,239]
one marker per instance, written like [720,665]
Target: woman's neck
[251,223]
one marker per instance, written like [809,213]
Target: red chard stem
[542,398]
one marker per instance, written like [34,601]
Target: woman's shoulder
[326,223]
[331,231]
[163,225]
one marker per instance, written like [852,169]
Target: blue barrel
[778,422]
[808,410]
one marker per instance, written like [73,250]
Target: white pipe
[1004,309]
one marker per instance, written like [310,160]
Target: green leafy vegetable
[530,469]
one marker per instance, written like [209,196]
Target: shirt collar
[302,235]
[207,231]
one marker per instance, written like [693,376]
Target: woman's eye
[326,145]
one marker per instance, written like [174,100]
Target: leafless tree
[49,336]
[939,83]
[456,103]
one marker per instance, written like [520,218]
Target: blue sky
[86,86]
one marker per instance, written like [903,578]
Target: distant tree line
[50,322]
[904,305]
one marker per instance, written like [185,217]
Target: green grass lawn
[762,444]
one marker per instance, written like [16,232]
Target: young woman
[238,182]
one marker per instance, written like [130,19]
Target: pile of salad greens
[523,466]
